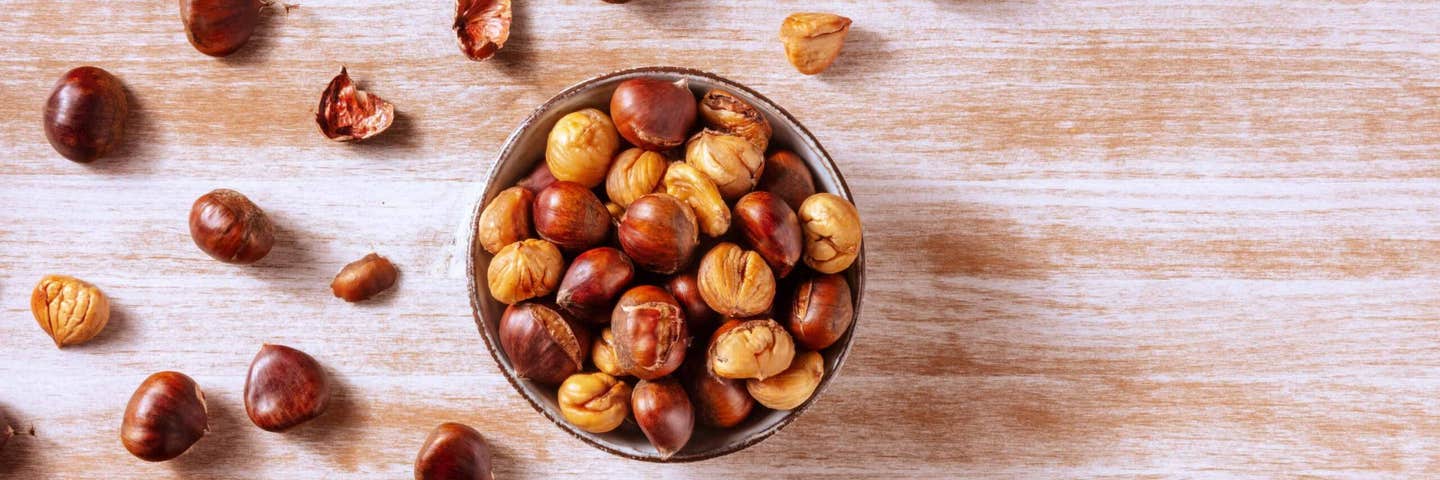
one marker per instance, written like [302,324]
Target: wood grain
[1108,238]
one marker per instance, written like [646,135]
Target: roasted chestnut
[581,146]
[506,219]
[482,27]
[602,354]
[364,278]
[695,189]
[719,402]
[772,229]
[570,216]
[347,113]
[542,344]
[592,283]
[523,270]
[165,416]
[454,452]
[756,349]
[792,387]
[594,402]
[85,114]
[725,112]
[220,27]
[650,334]
[634,173]
[735,282]
[663,411]
[832,232]
[699,318]
[653,113]
[70,310]
[821,311]
[659,233]
[813,40]
[731,161]
[286,387]
[787,177]
[230,228]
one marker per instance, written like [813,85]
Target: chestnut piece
[699,318]
[165,416]
[787,177]
[731,161]
[523,270]
[663,411]
[506,219]
[285,387]
[220,27]
[70,310]
[653,113]
[722,110]
[593,281]
[832,232]
[230,228]
[538,179]
[743,349]
[813,40]
[659,233]
[650,334]
[792,387]
[735,282]
[594,402]
[719,402]
[580,147]
[364,278]
[542,344]
[821,311]
[772,229]
[697,191]
[602,354]
[85,114]
[482,27]
[347,113]
[634,173]
[454,452]
[570,216]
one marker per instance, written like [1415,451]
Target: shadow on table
[229,441]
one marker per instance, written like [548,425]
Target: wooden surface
[1108,239]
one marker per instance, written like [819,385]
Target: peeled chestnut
[697,191]
[165,416]
[364,278]
[659,233]
[821,311]
[772,229]
[602,354]
[230,228]
[735,282]
[723,111]
[482,27]
[634,173]
[699,318]
[523,270]
[792,387]
[663,411]
[286,387]
[542,344]
[832,232]
[719,402]
[85,114]
[592,283]
[594,402]
[786,176]
[581,146]
[653,113]
[745,349]
[454,452]
[650,334]
[570,216]
[731,161]
[220,27]
[506,219]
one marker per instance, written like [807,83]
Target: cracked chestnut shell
[347,113]
[735,282]
[664,413]
[364,278]
[454,452]
[719,402]
[699,318]
[506,219]
[653,113]
[285,387]
[523,270]
[659,233]
[570,216]
[743,349]
[821,311]
[722,110]
[594,402]
[165,416]
[69,309]
[482,27]
[230,228]
[650,334]
[787,177]
[220,27]
[772,229]
[85,114]
[792,387]
[832,232]
[731,161]
[542,344]
[592,283]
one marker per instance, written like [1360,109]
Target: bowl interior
[526,148]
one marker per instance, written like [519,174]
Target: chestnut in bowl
[570,216]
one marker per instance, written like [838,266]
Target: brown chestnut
[722,110]
[653,113]
[506,219]
[571,216]
[220,27]
[650,334]
[538,179]
[663,411]
[792,387]
[719,402]
[772,229]
[659,233]
[347,113]
[592,283]
[787,177]
[85,114]
[756,349]
[165,416]
[230,228]
[602,354]
[594,402]
[699,318]
[542,344]
[821,311]
[364,278]
[735,282]
[523,270]
[482,27]
[832,232]
[454,452]
[285,387]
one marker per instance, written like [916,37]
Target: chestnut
[743,349]
[523,270]
[542,344]
[719,402]
[786,176]
[634,173]
[348,114]
[364,278]
[505,220]
[230,228]
[454,452]
[663,411]
[285,387]
[570,216]
[482,27]
[731,161]
[659,233]
[70,310]
[650,334]
[697,191]
[85,114]
[602,354]
[165,416]
[653,113]
[792,387]
[832,232]
[220,27]
[594,402]
[722,110]
[813,40]
[581,146]
[538,179]
[699,318]
[592,283]
[735,282]
[772,229]
[821,311]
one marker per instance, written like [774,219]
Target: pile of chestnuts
[660,266]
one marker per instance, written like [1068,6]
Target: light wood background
[1108,239]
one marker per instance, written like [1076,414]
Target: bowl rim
[823,161]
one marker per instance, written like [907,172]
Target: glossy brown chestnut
[660,233]
[650,334]
[230,228]
[592,283]
[786,176]
[653,113]
[346,113]
[699,318]
[165,416]
[220,27]
[542,344]
[772,229]
[85,114]
[364,278]
[538,179]
[454,452]
[664,413]
[719,402]
[482,27]
[821,311]
[285,387]
[571,216]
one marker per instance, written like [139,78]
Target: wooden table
[1107,238]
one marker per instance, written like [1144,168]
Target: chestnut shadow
[516,58]
[865,53]
[228,444]
[262,43]
[120,330]
[334,434]
[401,137]
[19,450]
[291,256]
[136,152]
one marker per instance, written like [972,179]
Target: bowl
[521,153]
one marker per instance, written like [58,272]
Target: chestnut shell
[595,278]
[660,233]
[821,311]
[664,413]
[653,113]
[285,388]
[570,216]
[85,114]
[772,229]
[649,332]
[719,402]
[543,344]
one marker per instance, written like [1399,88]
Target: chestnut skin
[653,113]
[230,228]
[699,318]
[542,344]
[786,176]
[570,216]
[821,311]
[454,452]
[664,413]
[538,179]
[364,278]
[772,229]
[649,332]
[285,388]
[85,114]
[165,416]
[220,27]
[659,232]
[719,402]
[5,433]
[594,280]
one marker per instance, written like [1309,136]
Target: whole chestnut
[594,402]
[744,349]
[659,233]
[592,283]
[570,216]
[832,232]
[821,311]
[364,278]
[725,112]
[538,179]
[85,114]
[165,416]
[285,387]
[230,228]
[731,161]
[650,334]
[454,452]
[664,413]
[220,27]
[699,318]
[634,173]
[506,219]
[523,270]
[482,27]
[772,229]
[787,177]
[695,189]
[735,282]
[792,387]
[580,147]
[602,354]
[542,344]
[653,113]
[719,402]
